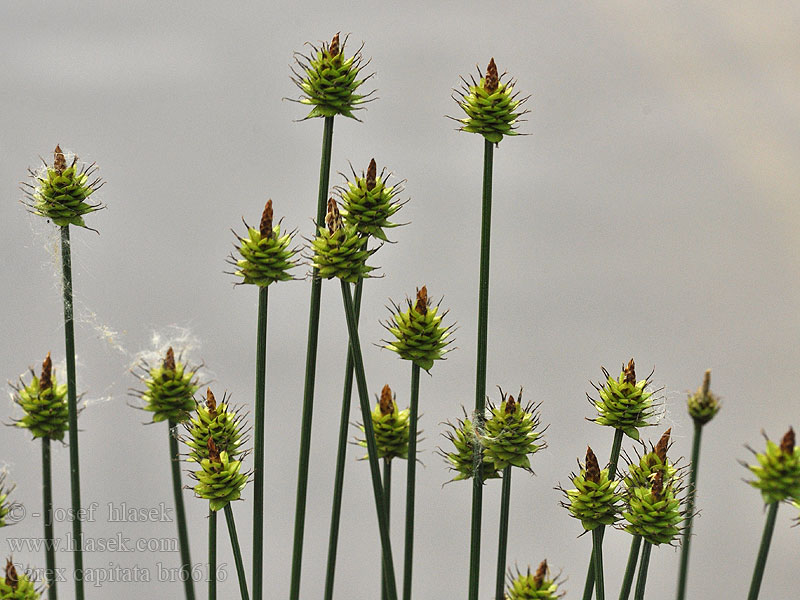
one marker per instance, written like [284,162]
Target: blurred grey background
[652,212]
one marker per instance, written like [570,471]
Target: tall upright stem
[258,469]
[49,549]
[616,447]
[763,551]
[369,434]
[502,544]
[687,532]
[480,371]
[411,481]
[72,402]
[212,554]
[597,561]
[341,455]
[630,568]
[237,553]
[641,581]
[387,497]
[311,369]
[180,513]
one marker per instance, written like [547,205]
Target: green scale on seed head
[220,479]
[703,405]
[339,250]
[14,586]
[536,586]
[624,403]
[510,434]
[391,427]
[778,470]
[418,332]
[595,500]
[265,253]
[217,421]
[329,81]
[462,459]
[44,402]
[655,511]
[170,389]
[491,105]
[641,473]
[5,505]
[368,202]
[60,192]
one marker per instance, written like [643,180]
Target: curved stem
[411,482]
[687,532]
[480,371]
[212,554]
[72,402]
[180,513]
[763,551]
[341,455]
[237,553]
[502,546]
[258,469]
[641,581]
[369,434]
[630,569]
[597,561]
[49,549]
[387,497]
[311,369]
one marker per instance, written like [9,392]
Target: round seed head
[655,511]
[339,250]
[512,433]
[370,201]
[391,426]
[703,405]
[778,470]
[213,422]
[642,471]
[169,389]
[595,500]
[220,479]
[44,403]
[17,586]
[624,403]
[461,459]
[537,586]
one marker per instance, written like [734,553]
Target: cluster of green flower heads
[419,335]
[492,105]
[44,402]
[391,427]
[595,500]
[338,250]
[703,405]
[778,470]
[17,586]
[169,389]
[537,586]
[511,434]
[329,82]
[624,402]
[368,202]
[642,469]
[265,253]
[60,192]
[213,420]
[464,438]
[5,505]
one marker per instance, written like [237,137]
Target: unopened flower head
[17,586]
[534,586]
[778,470]
[595,500]
[624,402]
[44,401]
[461,458]
[655,511]
[169,388]
[368,202]
[512,433]
[391,427]
[220,479]
[338,250]
[214,420]
[703,405]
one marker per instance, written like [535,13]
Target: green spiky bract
[528,586]
[264,260]
[329,81]
[169,391]
[624,403]
[5,505]
[594,503]
[418,336]
[640,473]
[368,206]
[777,473]
[654,517]
[23,589]
[341,254]
[46,410]
[220,481]
[391,433]
[220,423]
[463,437]
[511,437]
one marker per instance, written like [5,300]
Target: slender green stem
[311,369]
[212,554]
[630,569]
[180,513]
[237,553]
[763,551]
[597,562]
[49,549]
[480,371]
[387,498]
[369,434]
[502,545]
[72,402]
[616,447]
[258,469]
[687,532]
[341,455]
[641,581]
[411,482]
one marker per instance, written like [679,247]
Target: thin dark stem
[237,553]
[387,497]
[369,434]
[502,545]
[480,371]
[180,513]
[341,455]
[616,447]
[597,561]
[258,469]
[687,532]
[630,569]
[212,554]
[49,549]
[72,402]
[763,551]
[641,581]
[311,369]
[411,481]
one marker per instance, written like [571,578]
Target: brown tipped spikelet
[334,47]
[59,161]
[629,372]
[658,485]
[372,175]
[46,380]
[211,401]
[333,219]
[492,80]
[511,405]
[12,580]
[386,403]
[787,443]
[421,306]
[592,466]
[662,446]
[541,573]
[265,227]
[169,360]
[213,452]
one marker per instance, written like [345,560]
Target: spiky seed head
[372,174]
[59,161]
[595,500]
[386,404]
[265,227]
[5,505]
[46,380]
[787,443]
[391,427]
[334,46]
[538,586]
[511,433]
[703,405]
[220,479]
[662,446]
[592,466]
[624,403]
[169,388]
[17,586]
[642,470]
[421,305]
[339,250]
[369,202]
[465,438]
[492,80]
[44,403]
[215,421]
[778,470]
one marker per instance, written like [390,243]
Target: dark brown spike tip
[11,575]
[46,380]
[592,466]
[213,451]
[629,372]
[333,49]
[421,305]
[333,219]
[265,227]
[386,402]
[662,445]
[706,383]
[541,573]
[59,160]
[211,401]
[372,174]
[658,485]
[491,81]
[511,405]
[169,360]
[788,441]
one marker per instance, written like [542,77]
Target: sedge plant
[534,586]
[17,586]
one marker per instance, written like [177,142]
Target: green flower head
[17,586]
[642,471]
[778,470]
[220,479]
[418,332]
[217,421]
[60,192]
[368,202]
[512,433]
[170,389]
[655,511]
[624,403]
[391,427]
[339,250]
[44,402]
[464,438]
[595,500]
[536,586]
[265,253]
[703,405]
[491,105]
[329,81]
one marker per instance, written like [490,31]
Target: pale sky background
[652,212]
